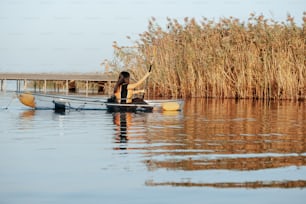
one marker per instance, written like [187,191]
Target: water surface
[215,151]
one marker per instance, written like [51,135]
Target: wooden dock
[64,78]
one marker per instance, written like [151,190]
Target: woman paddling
[124,91]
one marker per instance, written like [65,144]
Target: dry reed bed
[260,58]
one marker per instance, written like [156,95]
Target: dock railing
[65,79]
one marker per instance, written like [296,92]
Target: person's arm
[133,86]
[138,91]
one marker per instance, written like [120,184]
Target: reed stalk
[259,59]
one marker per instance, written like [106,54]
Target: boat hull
[63,103]
[113,107]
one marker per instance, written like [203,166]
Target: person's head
[126,76]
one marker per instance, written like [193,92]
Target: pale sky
[77,35]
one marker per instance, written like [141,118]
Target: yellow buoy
[27,99]
[171,106]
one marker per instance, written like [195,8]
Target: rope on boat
[81,107]
[12,99]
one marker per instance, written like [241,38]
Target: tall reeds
[260,58]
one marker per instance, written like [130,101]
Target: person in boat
[124,90]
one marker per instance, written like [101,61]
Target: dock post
[45,86]
[25,86]
[86,88]
[110,90]
[67,87]
[4,85]
[35,85]
[17,85]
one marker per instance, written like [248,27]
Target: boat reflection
[26,119]
[28,114]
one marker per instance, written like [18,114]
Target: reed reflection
[249,185]
[233,136]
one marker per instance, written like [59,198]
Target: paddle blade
[27,99]
[171,106]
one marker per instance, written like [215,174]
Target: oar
[171,106]
[166,106]
[146,85]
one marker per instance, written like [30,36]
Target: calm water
[215,151]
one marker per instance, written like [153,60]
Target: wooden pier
[65,79]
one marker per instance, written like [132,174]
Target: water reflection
[27,114]
[253,185]
[229,135]
[122,121]
[26,120]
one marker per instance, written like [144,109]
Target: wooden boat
[62,103]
